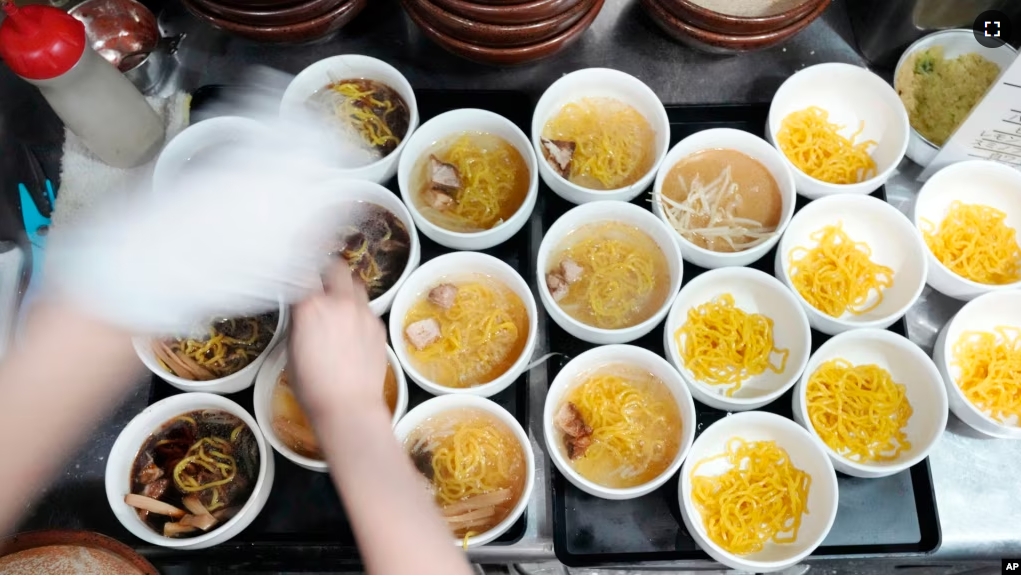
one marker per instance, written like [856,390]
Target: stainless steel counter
[975,479]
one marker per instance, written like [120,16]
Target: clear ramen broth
[291,424]
[609,275]
[599,143]
[470,182]
[475,466]
[466,332]
[620,425]
[722,200]
[201,466]
[376,245]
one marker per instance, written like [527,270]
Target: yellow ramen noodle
[814,145]
[723,345]
[475,466]
[761,498]
[495,181]
[481,335]
[636,426]
[838,274]
[626,276]
[989,365]
[615,144]
[974,242]
[859,411]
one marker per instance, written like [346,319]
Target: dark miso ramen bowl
[121,464]
[441,405]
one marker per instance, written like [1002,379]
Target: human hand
[338,347]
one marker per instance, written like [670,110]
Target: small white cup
[608,211]
[754,292]
[445,126]
[131,439]
[894,243]
[328,70]
[908,365]
[568,378]
[747,144]
[436,406]
[971,182]
[599,83]
[850,94]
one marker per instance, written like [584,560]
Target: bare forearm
[67,372]
[398,529]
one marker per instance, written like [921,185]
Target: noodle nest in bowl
[837,275]
[761,498]
[230,345]
[974,242]
[815,146]
[722,345]
[989,365]
[859,411]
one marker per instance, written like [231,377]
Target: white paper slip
[993,129]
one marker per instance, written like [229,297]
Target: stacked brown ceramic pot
[277,20]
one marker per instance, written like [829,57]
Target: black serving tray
[878,516]
[304,514]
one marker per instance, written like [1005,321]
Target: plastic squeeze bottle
[48,48]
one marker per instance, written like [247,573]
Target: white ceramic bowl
[985,313]
[605,211]
[452,268]
[970,182]
[191,142]
[908,365]
[599,83]
[753,292]
[230,384]
[265,384]
[850,94]
[448,125]
[957,42]
[437,406]
[806,454]
[748,144]
[568,378]
[365,191]
[894,243]
[135,434]
[321,73]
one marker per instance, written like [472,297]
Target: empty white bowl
[753,292]
[750,145]
[365,191]
[599,83]
[188,146]
[569,377]
[908,365]
[608,211]
[262,399]
[235,382]
[850,94]
[985,314]
[455,267]
[806,454]
[448,125]
[131,439]
[437,406]
[894,243]
[324,72]
[956,42]
[971,182]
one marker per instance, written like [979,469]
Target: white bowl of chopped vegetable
[940,78]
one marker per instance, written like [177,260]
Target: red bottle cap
[40,42]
